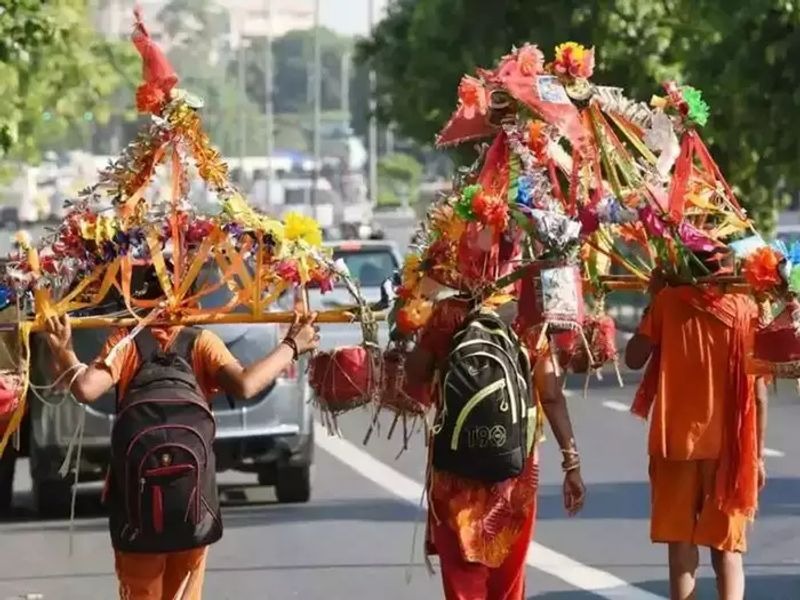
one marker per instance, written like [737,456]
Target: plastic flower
[699,110]
[537,138]
[287,271]
[490,210]
[525,191]
[446,223]
[760,269]
[414,315]
[300,228]
[473,97]
[463,208]
[574,60]
[530,60]
[412,269]
[150,98]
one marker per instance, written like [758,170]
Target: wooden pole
[325,317]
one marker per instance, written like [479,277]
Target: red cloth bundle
[601,334]
[9,398]
[343,379]
[397,392]
[551,294]
[776,347]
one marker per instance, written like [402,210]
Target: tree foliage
[742,54]
[56,73]
[399,177]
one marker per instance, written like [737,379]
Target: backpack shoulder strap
[146,344]
[183,345]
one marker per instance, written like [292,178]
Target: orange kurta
[689,420]
[688,415]
[162,576]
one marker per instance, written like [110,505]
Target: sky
[349,16]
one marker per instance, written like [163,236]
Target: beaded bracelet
[293,345]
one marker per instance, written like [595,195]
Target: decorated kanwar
[574,193]
[158,260]
[579,191]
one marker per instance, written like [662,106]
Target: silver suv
[271,435]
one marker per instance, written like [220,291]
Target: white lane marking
[544,559]
[618,406]
[771,453]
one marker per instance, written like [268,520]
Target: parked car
[272,435]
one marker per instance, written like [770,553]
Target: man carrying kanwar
[707,422]
[161,488]
[483,465]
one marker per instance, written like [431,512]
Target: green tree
[740,53]
[56,74]
[399,177]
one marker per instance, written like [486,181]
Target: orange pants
[161,576]
[684,508]
[473,581]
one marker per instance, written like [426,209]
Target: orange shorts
[684,508]
[161,576]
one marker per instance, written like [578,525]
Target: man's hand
[762,474]
[574,492]
[304,333]
[59,334]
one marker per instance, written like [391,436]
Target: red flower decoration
[490,210]
[287,270]
[530,60]
[473,96]
[760,270]
[150,98]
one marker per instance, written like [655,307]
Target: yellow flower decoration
[299,228]
[411,268]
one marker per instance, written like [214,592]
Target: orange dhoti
[685,508]
[161,576]
[481,533]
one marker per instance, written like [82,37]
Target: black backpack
[162,482]
[487,417]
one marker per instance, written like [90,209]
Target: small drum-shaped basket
[343,379]
[600,332]
[776,347]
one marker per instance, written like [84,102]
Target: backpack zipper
[472,403]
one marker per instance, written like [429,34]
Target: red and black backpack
[162,490]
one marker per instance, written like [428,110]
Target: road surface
[354,539]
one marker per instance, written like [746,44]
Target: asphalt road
[354,539]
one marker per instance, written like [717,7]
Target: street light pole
[268,102]
[373,124]
[317,104]
[242,111]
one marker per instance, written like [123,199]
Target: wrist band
[293,345]
[570,466]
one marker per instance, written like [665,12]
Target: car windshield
[369,266]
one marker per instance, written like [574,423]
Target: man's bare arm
[87,383]
[762,398]
[554,404]
[247,382]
